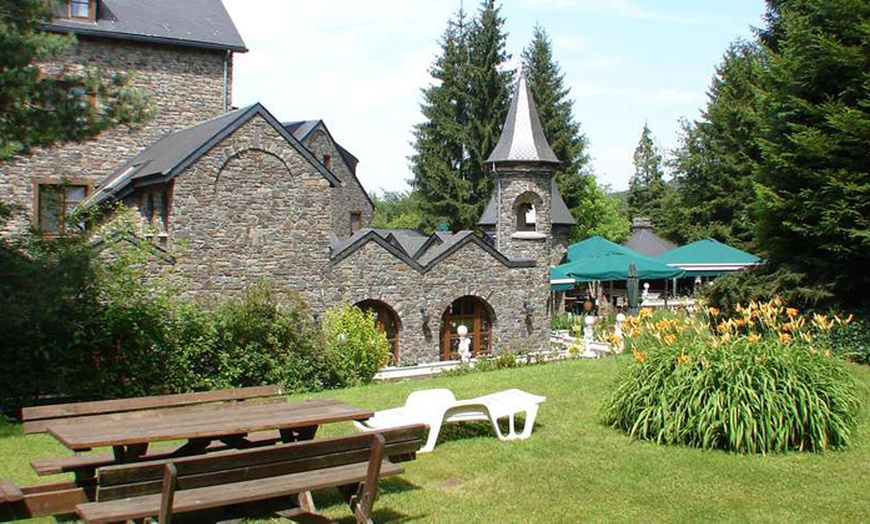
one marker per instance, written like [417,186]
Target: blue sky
[360,66]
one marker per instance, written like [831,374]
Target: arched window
[526,211]
[474,314]
[387,321]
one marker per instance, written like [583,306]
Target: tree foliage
[589,205]
[39,109]
[814,170]
[397,210]
[646,188]
[464,110]
[714,162]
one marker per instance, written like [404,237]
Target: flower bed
[762,381]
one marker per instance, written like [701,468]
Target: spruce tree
[556,110]
[489,99]
[814,169]
[714,161]
[646,188]
[440,162]
[464,110]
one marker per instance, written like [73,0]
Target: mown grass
[574,468]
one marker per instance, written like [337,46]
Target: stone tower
[529,217]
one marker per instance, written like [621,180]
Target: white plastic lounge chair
[435,407]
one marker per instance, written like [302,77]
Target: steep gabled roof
[644,241]
[173,153]
[560,215]
[302,128]
[522,137]
[203,24]
[440,246]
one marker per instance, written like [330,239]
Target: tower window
[327,162]
[526,217]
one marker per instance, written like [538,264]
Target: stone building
[241,197]
[179,53]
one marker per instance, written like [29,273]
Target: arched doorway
[474,314]
[387,321]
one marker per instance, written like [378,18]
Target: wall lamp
[424,315]
[528,308]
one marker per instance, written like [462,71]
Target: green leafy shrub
[559,321]
[760,283]
[352,340]
[760,382]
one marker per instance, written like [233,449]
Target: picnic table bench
[225,479]
[38,419]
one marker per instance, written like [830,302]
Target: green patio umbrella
[632,289]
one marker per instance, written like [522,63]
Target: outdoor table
[129,434]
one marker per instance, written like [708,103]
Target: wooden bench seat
[353,463]
[198,499]
[86,465]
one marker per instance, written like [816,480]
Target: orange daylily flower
[784,338]
[640,356]
[792,312]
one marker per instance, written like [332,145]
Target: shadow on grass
[468,430]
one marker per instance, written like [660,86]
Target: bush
[354,344]
[259,338]
[760,283]
[763,381]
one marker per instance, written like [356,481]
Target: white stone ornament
[464,344]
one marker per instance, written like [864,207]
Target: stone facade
[184,84]
[349,198]
[251,209]
[240,199]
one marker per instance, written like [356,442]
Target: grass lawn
[573,468]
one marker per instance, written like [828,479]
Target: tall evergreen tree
[714,161]
[440,161]
[814,169]
[646,188]
[464,113]
[556,110]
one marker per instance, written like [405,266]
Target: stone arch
[387,321]
[474,313]
[525,209]
[239,152]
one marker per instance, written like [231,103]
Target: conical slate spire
[522,138]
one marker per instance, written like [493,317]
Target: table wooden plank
[232,419]
[132,404]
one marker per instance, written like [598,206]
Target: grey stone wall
[348,198]
[185,86]
[374,273]
[251,209]
[517,183]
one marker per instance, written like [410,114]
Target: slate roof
[302,128]
[430,252]
[560,215]
[522,137]
[173,153]
[202,24]
[644,241]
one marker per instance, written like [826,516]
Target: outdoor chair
[435,407]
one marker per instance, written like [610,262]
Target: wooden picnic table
[130,434]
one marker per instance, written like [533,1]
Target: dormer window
[75,9]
